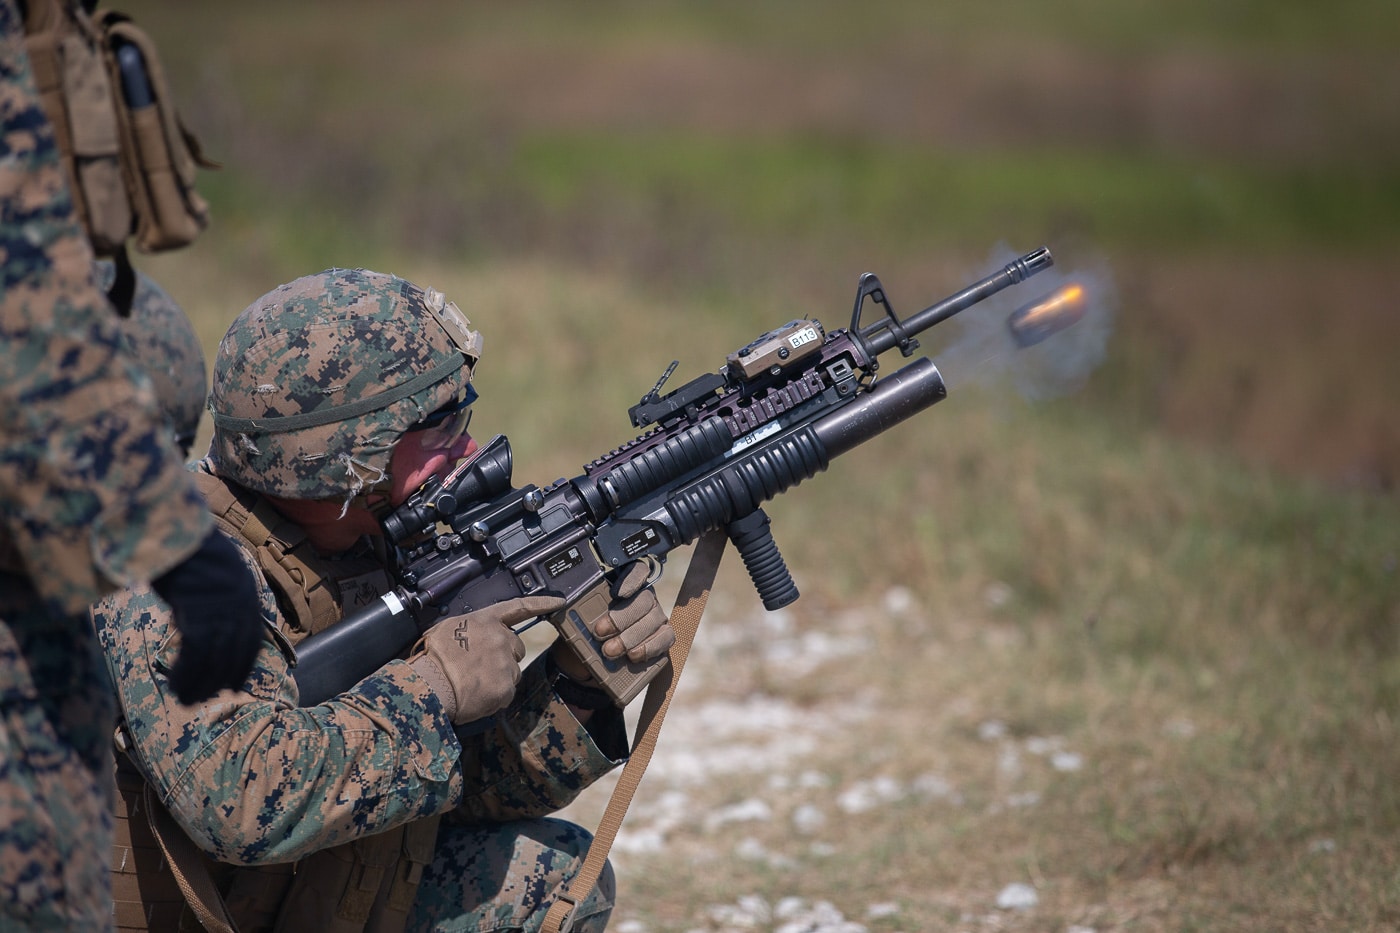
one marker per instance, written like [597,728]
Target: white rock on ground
[1017,896]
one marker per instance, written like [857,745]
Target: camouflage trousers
[56,717]
[502,878]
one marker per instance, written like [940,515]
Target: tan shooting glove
[635,624]
[472,662]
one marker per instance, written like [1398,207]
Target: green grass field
[1136,646]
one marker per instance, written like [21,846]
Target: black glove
[216,607]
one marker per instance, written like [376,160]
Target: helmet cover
[316,381]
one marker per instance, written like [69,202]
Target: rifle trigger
[656,567]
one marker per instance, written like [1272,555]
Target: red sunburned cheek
[466,446]
[409,467]
[412,464]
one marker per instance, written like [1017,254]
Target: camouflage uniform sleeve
[538,757]
[92,494]
[253,778]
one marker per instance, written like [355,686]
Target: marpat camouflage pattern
[160,335]
[93,498]
[310,405]
[392,817]
[255,779]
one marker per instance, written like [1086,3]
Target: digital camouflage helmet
[317,380]
[160,337]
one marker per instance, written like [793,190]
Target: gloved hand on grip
[214,599]
[635,623]
[473,661]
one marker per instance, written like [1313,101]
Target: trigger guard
[656,565]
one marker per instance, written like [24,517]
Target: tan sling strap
[145,894]
[187,865]
[685,620]
[190,869]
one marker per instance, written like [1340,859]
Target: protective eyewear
[444,426]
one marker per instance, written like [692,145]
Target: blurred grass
[890,198]
[827,26]
[1217,636]
[885,196]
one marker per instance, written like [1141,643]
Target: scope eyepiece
[484,475]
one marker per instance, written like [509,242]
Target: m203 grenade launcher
[716,449]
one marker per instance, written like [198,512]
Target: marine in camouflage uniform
[93,498]
[159,334]
[375,810]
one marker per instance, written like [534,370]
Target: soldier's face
[415,460]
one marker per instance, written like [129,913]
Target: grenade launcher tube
[752,478]
[895,398]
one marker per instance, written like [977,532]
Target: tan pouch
[74,84]
[130,160]
[160,156]
[365,886]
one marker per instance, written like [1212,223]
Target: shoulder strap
[685,619]
[187,865]
[282,552]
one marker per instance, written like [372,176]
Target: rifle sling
[187,864]
[685,620]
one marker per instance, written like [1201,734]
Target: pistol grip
[620,678]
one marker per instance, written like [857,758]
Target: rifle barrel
[879,336]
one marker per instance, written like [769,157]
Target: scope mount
[655,407]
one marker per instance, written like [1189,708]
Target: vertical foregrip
[754,542]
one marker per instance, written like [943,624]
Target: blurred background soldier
[158,333]
[335,397]
[92,497]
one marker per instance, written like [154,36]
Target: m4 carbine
[717,448]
